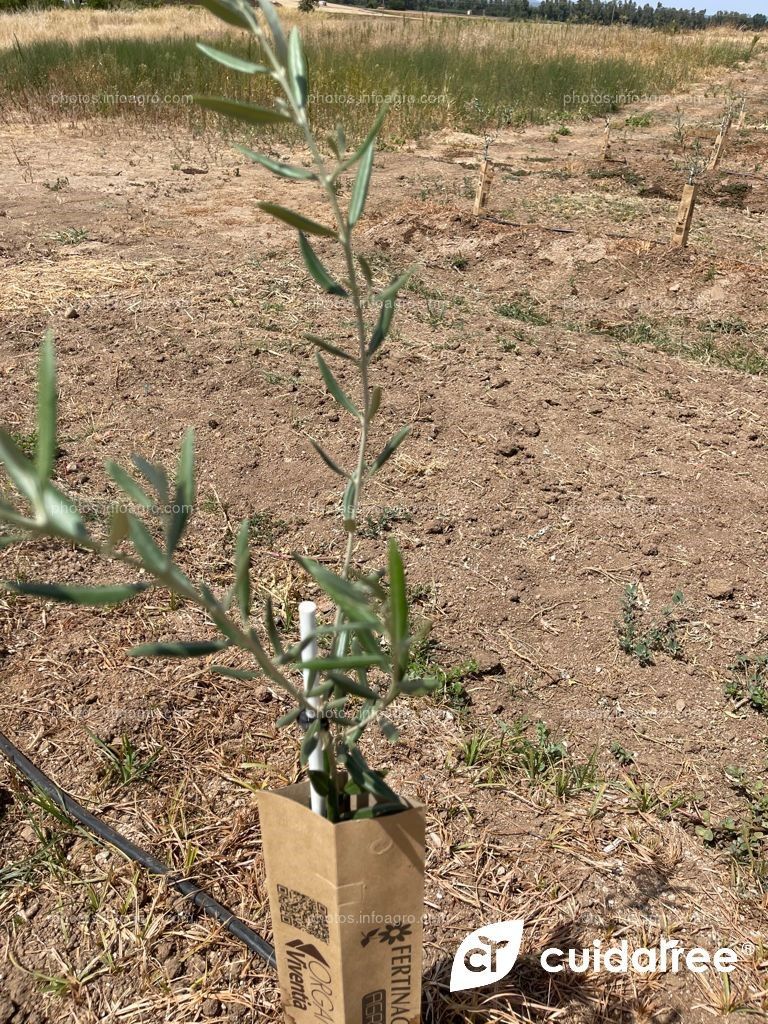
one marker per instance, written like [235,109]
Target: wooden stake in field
[685,214]
[742,113]
[483,186]
[605,152]
[720,142]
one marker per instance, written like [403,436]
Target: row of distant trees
[599,12]
[613,12]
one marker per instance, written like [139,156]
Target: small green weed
[643,333]
[522,308]
[437,312]
[270,377]
[57,185]
[678,133]
[625,174]
[646,798]
[71,982]
[265,528]
[124,763]
[50,857]
[735,193]
[374,525]
[745,838]
[743,355]
[421,593]
[638,121]
[733,326]
[512,344]
[71,236]
[749,681]
[477,749]
[643,642]
[51,808]
[452,690]
[459,261]
[418,287]
[211,505]
[27,443]
[623,756]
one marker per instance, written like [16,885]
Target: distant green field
[462,73]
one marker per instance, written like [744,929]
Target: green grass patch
[26,442]
[452,690]
[524,309]
[722,343]
[441,72]
[544,763]
[374,525]
[625,174]
[265,528]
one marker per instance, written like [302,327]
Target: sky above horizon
[742,6]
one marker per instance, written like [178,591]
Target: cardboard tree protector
[346,902]
[346,899]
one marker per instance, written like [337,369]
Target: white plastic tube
[307,626]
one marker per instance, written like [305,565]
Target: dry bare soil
[578,426]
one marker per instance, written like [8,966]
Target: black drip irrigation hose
[199,897]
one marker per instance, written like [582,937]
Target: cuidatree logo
[487,955]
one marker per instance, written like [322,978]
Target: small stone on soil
[720,589]
[508,448]
[488,664]
[173,967]
[7,1009]
[435,526]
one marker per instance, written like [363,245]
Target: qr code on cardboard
[304,913]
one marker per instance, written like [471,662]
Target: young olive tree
[363,658]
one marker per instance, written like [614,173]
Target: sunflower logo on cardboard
[487,955]
[393,933]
